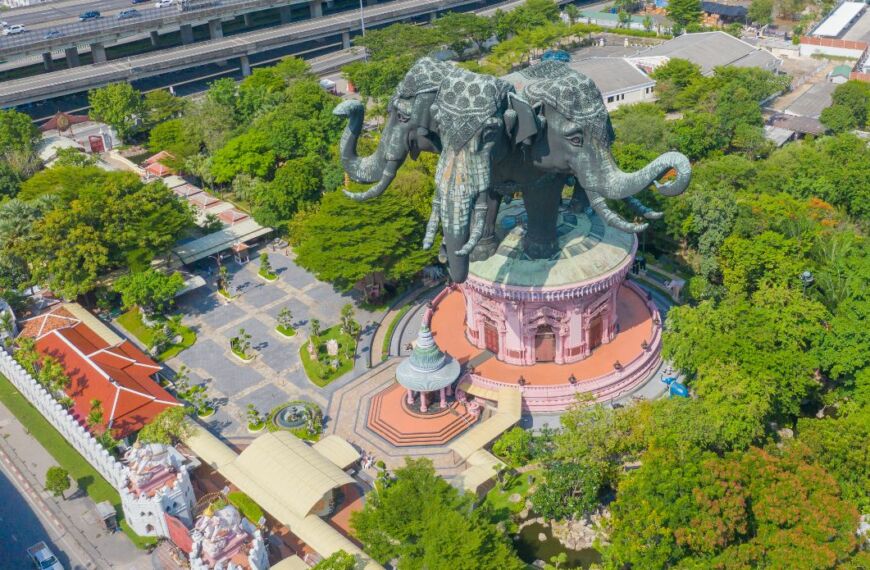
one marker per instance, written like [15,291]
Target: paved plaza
[275,375]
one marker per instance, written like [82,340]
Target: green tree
[96,416]
[52,375]
[120,106]
[343,241]
[761,12]
[151,290]
[161,106]
[174,137]
[838,118]
[57,481]
[9,182]
[297,183]
[854,95]
[340,560]
[248,153]
[463,30]
[17,132]
[514,447]
[568,489]
[169,427]
[684,12]
[423,522]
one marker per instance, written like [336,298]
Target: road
[45,15]
[22,528]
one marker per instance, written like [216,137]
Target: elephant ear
[527,125]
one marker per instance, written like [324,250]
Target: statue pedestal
[558,310]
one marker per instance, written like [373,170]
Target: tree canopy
[118,105]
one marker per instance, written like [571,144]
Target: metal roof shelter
[244,231]
[839,20]
[282,474]
[510,409]
[337,450]
[612,74]
[709,50]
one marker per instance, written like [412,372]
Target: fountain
[292,415]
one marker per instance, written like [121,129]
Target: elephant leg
[542,207]
[488,243]
[579,199]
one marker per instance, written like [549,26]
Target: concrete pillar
[285,14]
[247,18]
[345,40]
[433,16]
[46,60]
[246,65]
[443,399]
[449,390]
[72,57]
[215,30]
[155,38]
[187,33]
[410,397]
[330,4]
[423,404]
[98,52]
[316,8]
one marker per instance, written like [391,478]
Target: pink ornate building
[558,310]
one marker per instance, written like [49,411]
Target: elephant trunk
[462,178]
[612,183]
[379,167]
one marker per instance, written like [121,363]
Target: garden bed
[320,373]
[132,322]
[286,331]
[302,432]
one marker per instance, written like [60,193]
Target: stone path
[275,375]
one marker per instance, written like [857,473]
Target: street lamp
[807,279]
[362,18]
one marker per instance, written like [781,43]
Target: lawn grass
[132,323]
[286,331]
[87,478]
[497,499]
[267,276]
[346,343]
[385,349]
[246,505]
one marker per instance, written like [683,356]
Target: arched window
[545,344]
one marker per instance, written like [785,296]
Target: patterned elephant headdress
[572,94]
[465,101]
[424,76]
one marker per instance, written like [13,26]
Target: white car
[43,558]
[13,29]
[163,3]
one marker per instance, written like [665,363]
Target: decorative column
[423,405]
[410,397]
[443,399]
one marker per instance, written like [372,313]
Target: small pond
[531,549]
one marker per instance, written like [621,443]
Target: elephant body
[531,132]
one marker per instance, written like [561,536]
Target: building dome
[428,368]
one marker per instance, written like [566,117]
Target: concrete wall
[145,515]
[629,97]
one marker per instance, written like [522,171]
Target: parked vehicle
[139,1]
[13,29]
[4,24]
[89,15]
[51,34]
[126,14]
[43,558]
[163,3]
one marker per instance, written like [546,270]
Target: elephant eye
[403,117]
[576,140]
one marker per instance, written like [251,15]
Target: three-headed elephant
[528,132]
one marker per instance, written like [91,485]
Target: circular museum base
[392,419]
[612,369]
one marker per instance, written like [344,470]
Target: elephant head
[470,111]
[573,136]
[408,129]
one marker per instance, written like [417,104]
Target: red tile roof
[57,318]
[120,376]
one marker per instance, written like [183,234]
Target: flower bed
[320,372]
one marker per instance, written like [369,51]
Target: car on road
[89,15]
[126,14]
[13,29]
[163,3]
[51,34]
[42,557]
[139,1]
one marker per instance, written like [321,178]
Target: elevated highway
[79,79]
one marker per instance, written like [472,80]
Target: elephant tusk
[432,225]
[611,218]
[478,221]
[643,210]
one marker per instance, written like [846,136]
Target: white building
[620,82]
[225,540]
[158,485]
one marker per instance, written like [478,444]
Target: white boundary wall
[110,468]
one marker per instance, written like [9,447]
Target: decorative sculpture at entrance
[531,132]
